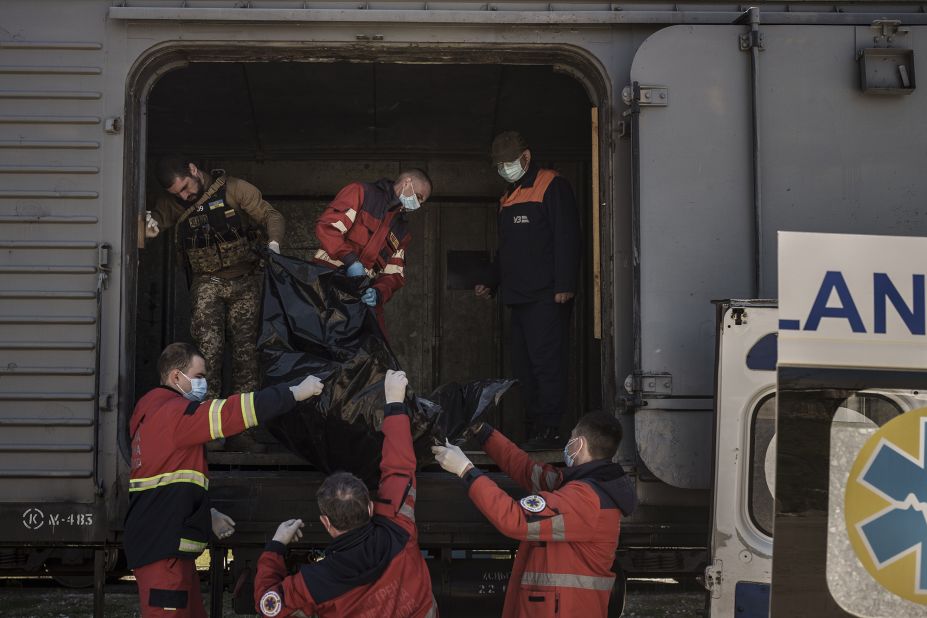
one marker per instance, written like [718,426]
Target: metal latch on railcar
[645,96]
[887,68]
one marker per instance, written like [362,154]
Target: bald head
[414,180]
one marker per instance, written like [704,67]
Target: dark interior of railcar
[300,131]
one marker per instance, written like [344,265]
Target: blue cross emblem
[901,527]
[533,504]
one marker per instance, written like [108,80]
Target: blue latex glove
[369,297]
[356,270]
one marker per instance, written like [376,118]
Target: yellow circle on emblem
[885,506]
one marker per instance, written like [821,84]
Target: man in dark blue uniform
[537,266]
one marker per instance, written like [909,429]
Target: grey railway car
[691,134]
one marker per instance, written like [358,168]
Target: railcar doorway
[299,131]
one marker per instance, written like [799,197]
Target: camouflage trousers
[232,305]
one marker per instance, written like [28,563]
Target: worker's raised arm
[570,514]
[222,418]
[516,463]
[397,492]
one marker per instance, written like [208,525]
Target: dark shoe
[244,443]
[546,439]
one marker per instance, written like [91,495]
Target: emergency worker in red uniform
[364,230]
[169,518]
[373,568]
[568,525]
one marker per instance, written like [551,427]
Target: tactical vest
[212,233]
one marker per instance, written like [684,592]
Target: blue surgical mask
[512,170]
[197,388]
[568,459]
[411,202]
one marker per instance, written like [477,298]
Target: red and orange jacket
[365,223]
[169,514]
[568,528]
[373,571]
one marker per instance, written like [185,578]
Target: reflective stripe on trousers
[567,580]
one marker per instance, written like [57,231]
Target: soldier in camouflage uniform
[218,221]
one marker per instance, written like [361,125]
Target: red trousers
[170,588]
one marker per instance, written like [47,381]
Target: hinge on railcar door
[103,256]
[645,383]
[645,96]
[713,579]
[106,402]
[749,40]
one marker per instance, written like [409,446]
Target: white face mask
[569,459]
[512,170]
[411,202]
[197,388]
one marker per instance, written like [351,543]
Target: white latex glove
[451,458]
[222,525]
[274,246]
[309,387]
[289,531]
[482,291]
[395,386]
[151,226]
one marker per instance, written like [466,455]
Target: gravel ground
[31,599]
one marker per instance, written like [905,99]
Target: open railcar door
[830,155]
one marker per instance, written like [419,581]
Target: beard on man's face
[199,187]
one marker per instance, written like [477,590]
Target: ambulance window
[762,464]
[876,408]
